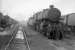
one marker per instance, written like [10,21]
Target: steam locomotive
[51,27]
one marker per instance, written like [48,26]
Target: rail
[13,36]
[26,39]
[26,42]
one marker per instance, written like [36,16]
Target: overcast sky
[22,9]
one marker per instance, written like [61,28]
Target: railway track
[19,42]
[26,39]
[14,32]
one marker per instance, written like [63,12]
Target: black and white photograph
[37,24]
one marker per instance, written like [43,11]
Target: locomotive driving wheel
[55,32]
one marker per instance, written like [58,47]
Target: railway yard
[32,40]
[27,25]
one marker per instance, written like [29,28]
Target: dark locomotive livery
[51,26]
